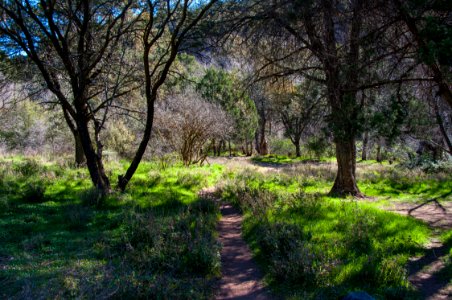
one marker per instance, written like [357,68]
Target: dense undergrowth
[61,239]
[314,246]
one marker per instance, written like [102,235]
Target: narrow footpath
[241,278]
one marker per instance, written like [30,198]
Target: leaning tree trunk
[345,183]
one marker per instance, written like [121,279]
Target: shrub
[308,205]
[188,180]
[292,258]
[183,244]
[34,193]
[317,146]
[28,168]
[390,272]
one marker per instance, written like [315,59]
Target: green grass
[58,239]
[314,246]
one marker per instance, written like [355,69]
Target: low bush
[290,255]
[34,193]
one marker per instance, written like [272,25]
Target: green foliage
[427,164]
[78,216]
[91,197]
[28,168]
[388,121]
[438,36]
[318,146]
[218,86]
[281,146]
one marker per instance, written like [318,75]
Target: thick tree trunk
[345,183]
[365,145]
[249,148]
[80,159]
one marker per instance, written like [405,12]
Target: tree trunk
[365,145]
[214,149]
[260,139]
[230,149]
[440,122]
[345,183]
[94,163]
[379,157]
[249,148]
[123,180]
[80,159]
[297,148]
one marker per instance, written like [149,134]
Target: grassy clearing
[58,238]
[383,182]
[313,246]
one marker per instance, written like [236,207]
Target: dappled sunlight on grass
[353,244]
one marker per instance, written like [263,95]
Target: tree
[188,122]
[71,43]
[349,45]
[429,24]
[220,87]
[167,29]
[299,109]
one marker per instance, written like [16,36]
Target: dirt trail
[241,277]
[424,271]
